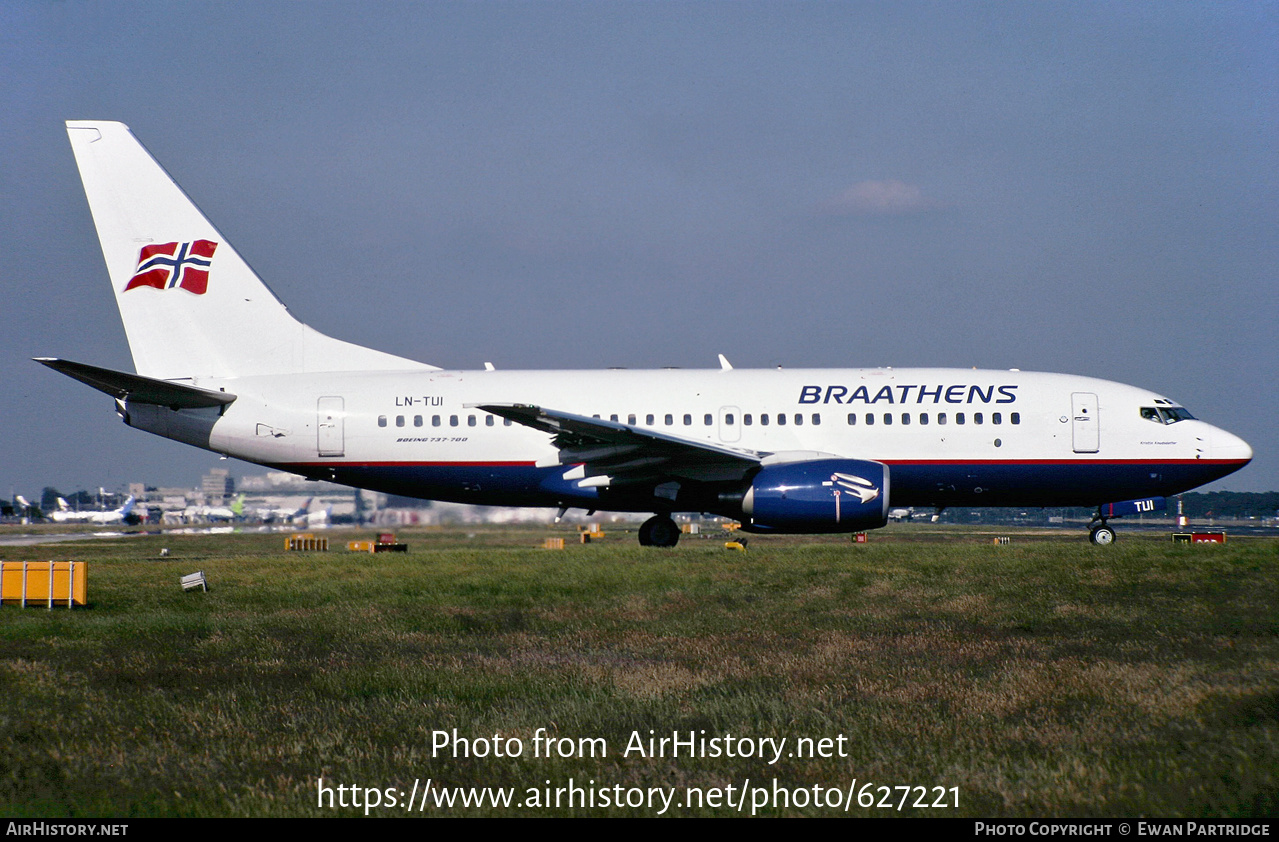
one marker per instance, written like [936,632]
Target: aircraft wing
[627,454]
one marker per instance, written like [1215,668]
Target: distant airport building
[218,487]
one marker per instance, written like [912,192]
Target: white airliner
[222,365]
[66,514]
[302,514]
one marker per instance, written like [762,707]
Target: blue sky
[1086,188]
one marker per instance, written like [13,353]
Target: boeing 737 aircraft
[222,365]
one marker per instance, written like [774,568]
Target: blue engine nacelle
[824,495]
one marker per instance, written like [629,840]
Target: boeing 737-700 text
[222,365]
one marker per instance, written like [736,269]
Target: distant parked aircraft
[66,515]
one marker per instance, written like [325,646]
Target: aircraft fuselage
[949,436]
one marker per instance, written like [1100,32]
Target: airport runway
[33,540]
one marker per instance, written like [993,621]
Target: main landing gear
[659,531]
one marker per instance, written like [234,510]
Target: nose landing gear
[1102,534]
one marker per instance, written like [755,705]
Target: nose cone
[1230,447]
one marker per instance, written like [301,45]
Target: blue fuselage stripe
[1067,483]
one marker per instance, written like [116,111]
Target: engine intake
[824,495]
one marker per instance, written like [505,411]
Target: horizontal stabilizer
[138,389]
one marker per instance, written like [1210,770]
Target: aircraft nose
[1229,446]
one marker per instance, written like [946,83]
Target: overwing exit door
[730,421]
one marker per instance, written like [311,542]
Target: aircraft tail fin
[302,512]
[192,307]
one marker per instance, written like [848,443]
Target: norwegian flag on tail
[168,265]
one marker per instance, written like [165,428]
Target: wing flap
[627,453]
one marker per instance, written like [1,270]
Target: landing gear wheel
[659,531]
[1102,536]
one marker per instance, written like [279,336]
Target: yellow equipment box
[306,542]
[46,583]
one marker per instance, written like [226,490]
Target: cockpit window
[1166,415]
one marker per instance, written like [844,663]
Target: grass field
[1042,678]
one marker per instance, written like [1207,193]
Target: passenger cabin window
[470,420]
[959,417]
[852,419]
[381,420]
[905,417]
[435,420]
[670,419]
[977,418]
[870,419]
[630,419]
[650,419]
[399,420]
[923,417]
[488,420]
[728,419]
[763,420]
[781,418]
[747,420]
[688,420]
[888,418]
[817,418]
[417,420]
[452,420]
[1015,417]
[709,419]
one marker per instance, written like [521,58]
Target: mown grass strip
[1041,678]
